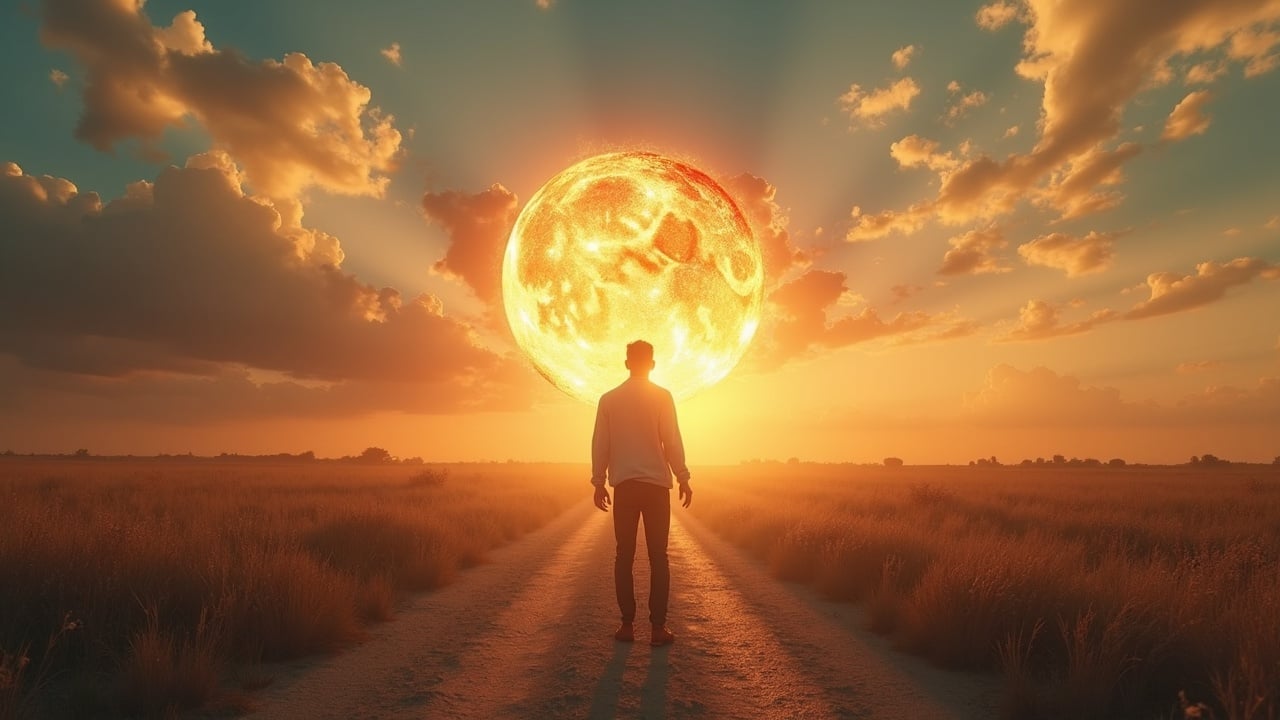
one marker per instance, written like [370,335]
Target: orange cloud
[1188,117]
[1253,46]
[478,226]
[1038,320]
[869,108]
[291,124]
[1229,404]
[996,15]
[1041,398]
[902,56]
[1172,293]
[1092,63]
[1204,73]
[58,78]
[189,276]
[869,227]
[1187,368]
[915,151]
[1074,256]
[754,196]
[942,327]
[392,54]
[904,291]
[971,253]
[963,102]
[799,324]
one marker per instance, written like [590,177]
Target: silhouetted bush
[375,455]
[893,462]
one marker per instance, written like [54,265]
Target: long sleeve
[672,443]
[600,446]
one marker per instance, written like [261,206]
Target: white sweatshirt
[637,437]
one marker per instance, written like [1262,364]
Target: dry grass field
[146,587]
[1097,592]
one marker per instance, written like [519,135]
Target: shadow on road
[604,703]
[653,693]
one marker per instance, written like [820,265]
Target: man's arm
[673,447]
[600,456]
[600,446]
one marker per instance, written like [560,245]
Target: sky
[1015,229]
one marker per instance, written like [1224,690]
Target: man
[637,445]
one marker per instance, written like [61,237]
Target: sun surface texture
[632,246]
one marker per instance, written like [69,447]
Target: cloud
[1273,223]
[1204,73]
[755,197]
[1041,397]
[1172,293]
[868,109]
[963,102]
[1011,132]
[392,54]
[1083,188]
[902,56]
[478,226]
[798,322]
[996,15]
[942,327]
[971,253]
[58,78]
[1253,46]
[1074,256]
[290,124]
[915,151]
[904,291]
[869,227]
[1039,320]
[1092,63]
[1223,404]
[1188,368]
[544,4]
[188,276]
[1187,118]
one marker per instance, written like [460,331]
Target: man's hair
[640,350]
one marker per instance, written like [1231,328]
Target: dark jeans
[632,500]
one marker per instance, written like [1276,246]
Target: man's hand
[686,494]
[602,498]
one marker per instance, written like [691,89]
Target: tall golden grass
[135,588]
[1099,593]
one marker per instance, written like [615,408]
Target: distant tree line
[370,456]
[1056,461]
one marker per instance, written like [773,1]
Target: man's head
[640,358]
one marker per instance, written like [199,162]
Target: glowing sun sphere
[629,246]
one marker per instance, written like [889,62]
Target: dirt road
[529,635]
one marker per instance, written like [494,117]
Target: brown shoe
[661,636]
[625,633]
